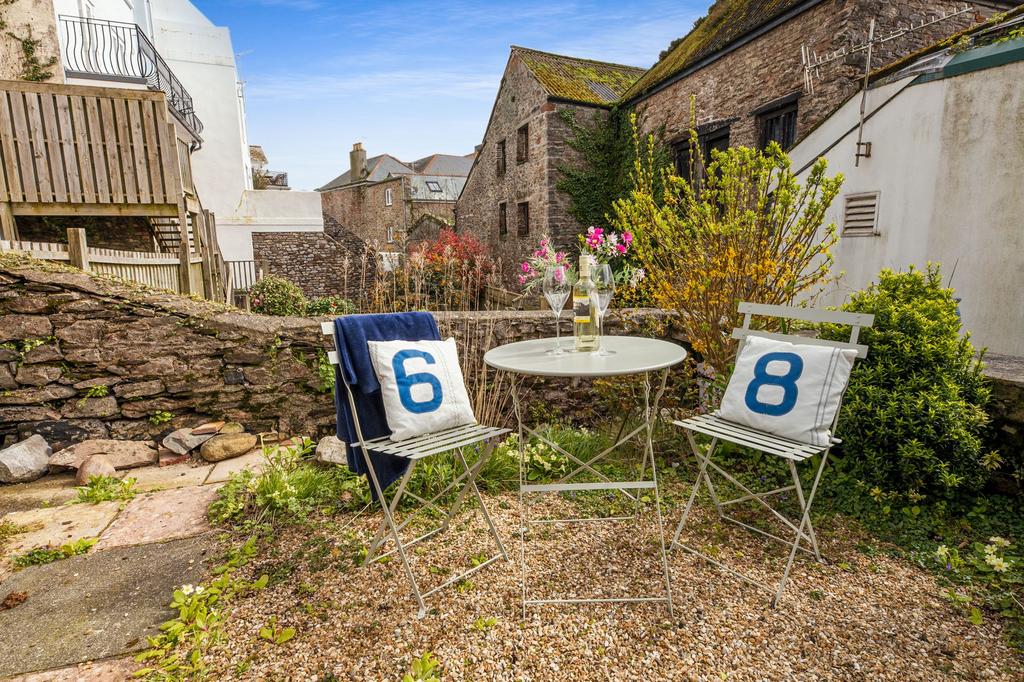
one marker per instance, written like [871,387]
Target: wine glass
[556,290]
[604,288]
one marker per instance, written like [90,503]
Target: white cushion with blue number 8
[790,390]
[421,385]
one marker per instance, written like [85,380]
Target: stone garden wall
[84,357]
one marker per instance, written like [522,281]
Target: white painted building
[943,183]
[100,46]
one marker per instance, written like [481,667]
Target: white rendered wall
[201,56]
[946,157]
[267,211]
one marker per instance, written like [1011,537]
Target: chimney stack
[357,161]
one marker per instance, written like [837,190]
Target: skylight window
[433,185]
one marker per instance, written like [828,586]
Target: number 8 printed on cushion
[421,386]
[790,390]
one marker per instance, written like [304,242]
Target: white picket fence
[157,270]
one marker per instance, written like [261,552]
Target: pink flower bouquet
[607,246]
[531,270]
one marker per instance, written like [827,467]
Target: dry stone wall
[85,357]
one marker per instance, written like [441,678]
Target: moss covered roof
[725,22]
[579,80]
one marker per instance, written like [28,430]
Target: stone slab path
[96,605]
[83,615]
[161,516]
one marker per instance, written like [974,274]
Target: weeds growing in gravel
[47,555]
[272,632]
[426,668]
[177,652]
[105,489]
[288,489]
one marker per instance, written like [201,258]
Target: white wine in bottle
[584,311]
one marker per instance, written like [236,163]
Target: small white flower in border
[999,542]
[942,552]
[187,589]
[997,563]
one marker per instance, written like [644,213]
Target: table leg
[650,416]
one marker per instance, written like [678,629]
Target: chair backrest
[856,322]
[328,329]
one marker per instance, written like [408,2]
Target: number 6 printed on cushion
[783,399]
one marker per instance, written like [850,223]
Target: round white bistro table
[629,355]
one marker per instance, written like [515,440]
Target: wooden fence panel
[71,144]
[40,250]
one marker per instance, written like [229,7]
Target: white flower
[998,564]
[999,542]
[942,552]
[187,589]
[990,550]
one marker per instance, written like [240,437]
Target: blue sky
[409,78]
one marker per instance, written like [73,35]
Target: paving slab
[160,516]
[252,460]
[59,525]
[166,478]
[98,605]
[98,671]
[54,489]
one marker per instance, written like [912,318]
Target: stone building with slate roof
[510,198]
[389,203]
[741,65]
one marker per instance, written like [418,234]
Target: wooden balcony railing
[78,146]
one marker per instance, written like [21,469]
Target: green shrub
[333,306]
[913,416]
[274,295]
[288,489]
[105,489]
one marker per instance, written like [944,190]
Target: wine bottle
[584,311]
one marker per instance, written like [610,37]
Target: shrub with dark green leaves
[333,306]
[275,295]
[913,416]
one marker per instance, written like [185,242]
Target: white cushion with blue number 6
[790,390]
[421,385]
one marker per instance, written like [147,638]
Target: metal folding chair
[793,452]
[416,449]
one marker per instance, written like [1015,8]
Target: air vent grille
[860,214]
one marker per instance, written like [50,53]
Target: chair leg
[379,537]
[804,521]
[707,475]
[480,500]
[390,521]
[702,476]
[803,508]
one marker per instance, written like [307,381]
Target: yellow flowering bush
[746,230]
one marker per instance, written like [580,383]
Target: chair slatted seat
[437,442]
[716,427]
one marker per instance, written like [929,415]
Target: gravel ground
[860,616]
